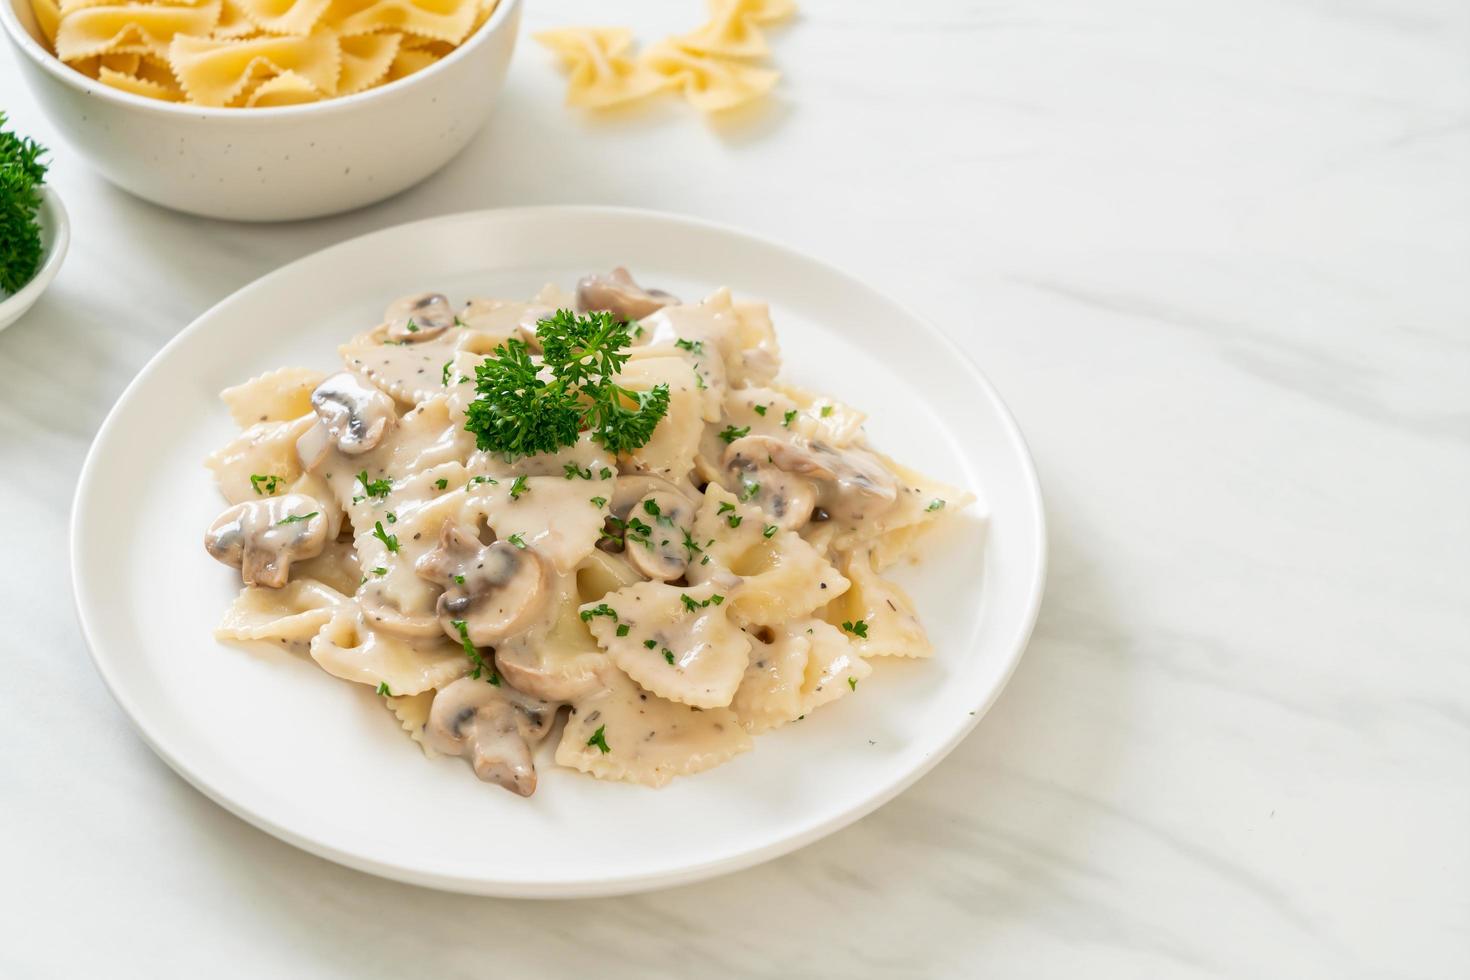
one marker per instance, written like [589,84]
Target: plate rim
[606,885]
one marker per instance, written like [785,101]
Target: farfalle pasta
[711,83]
[255,53]
[599,72]
[651,566]
[734,28]
[712,65]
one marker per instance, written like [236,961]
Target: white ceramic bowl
[272,164]
[55,236]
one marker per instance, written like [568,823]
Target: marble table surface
[1214,255]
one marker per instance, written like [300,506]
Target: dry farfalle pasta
[711,65]
[255,53]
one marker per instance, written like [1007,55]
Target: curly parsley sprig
[523,407]
[21,174]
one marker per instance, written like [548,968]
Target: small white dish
[272,164]
[55,237]
[321,764]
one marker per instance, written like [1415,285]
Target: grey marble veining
[1214,256]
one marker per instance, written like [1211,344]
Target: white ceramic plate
[320,763]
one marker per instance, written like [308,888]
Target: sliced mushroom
[494,726]
[788,497]
[356,416]
[495,590]
[560,661]
[795,482]
[627,502]
[384,614]
[420,317]
[263,537]
[663,551]
[619,295]
[632,488]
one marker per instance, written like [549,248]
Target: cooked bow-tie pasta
[601,506]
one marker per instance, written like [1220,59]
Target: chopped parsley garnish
[650,507]
[517,540]
[518,487]
[390,541]
[638,532]
[936,504]
[826,410]
[730,433]
[650,644]
[380,570]
[699,381]
[518,412]
[858,628]
[444,374]
[481,667]
[668,654]
[788,418]
[598,502]
[725,507]
[693,605]
[459,580]
[374,488]
[852,683]
[749,490]
[616,525]
[600,610]
[269,482]
[622,629]
[600,740]
[485,479]
[441,483]
[383,689]
[296,518]
[21,176]
[605,473]
[412,327]
[691,546]
[759,409]
[572,471]
[693,346]
[392,517]
[769,531]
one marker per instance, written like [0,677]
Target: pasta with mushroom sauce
[597,517]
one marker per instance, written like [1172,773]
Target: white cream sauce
[714,581]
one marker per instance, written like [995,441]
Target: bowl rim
[53,217]
[59,69]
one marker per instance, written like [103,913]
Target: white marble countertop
[1214,255]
